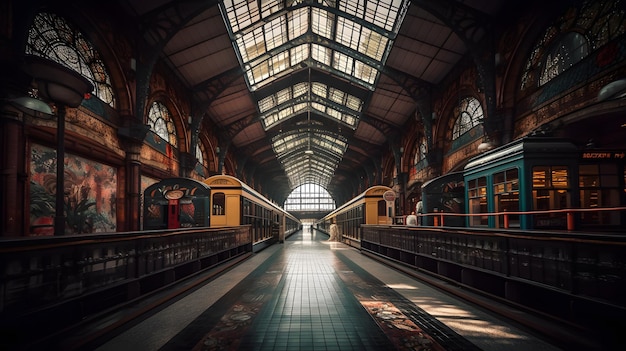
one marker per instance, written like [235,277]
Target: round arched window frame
[161,123]
[54,38]
[470,114]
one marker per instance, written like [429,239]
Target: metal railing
[47,283]
[575,277]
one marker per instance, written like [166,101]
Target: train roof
[374,191]
[522,146]
[227,181]
[443,178]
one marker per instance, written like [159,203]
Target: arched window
[309,197]
[200,153]
[470,114]
[161,123]
[571,38]
[420,152]
[572,48]
[51,37]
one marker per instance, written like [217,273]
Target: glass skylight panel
[353,103]
[252,44]
[262,32]
[333,113]
[373,44]
[286,112]
[365,72]
[384,13]
[283,144]
[348,33]
[321,54]
[282,96]
[241,13]
[299,54]
[351,121]
[322,22]
[298,20]
[319,89]
[275,33]
[268,7]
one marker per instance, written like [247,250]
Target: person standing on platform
[411,220]
[334,232]
[419,209]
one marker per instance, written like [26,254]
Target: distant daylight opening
[309,197]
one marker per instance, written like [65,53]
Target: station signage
[603,155]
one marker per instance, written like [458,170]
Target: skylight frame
[348,38]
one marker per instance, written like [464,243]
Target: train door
[173,214]
[233,210]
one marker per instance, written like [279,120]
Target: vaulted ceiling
[311,91]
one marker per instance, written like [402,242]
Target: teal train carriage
[176,203]
[444,195]
[546,183]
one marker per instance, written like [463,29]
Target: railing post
[570,220]
[441,215]
[506,220]
[435,220]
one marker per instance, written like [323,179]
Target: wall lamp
[66,88]
[613,90]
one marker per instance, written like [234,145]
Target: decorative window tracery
[470,114]
[420,152]
[52,37]
[160,121]
[200,153]
[571,38]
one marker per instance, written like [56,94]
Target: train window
[550,192]
[477,194]
[599,187]
[540,176]
[382,208]
[506,196]
[219,203]
[560,178]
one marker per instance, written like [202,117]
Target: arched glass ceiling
[316,166]
[325,100]
[348,39]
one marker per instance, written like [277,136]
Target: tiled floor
[311,294]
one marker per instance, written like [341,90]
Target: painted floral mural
[90,194]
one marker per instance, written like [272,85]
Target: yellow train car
[234,203]
[369,207]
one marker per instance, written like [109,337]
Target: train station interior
[239,175]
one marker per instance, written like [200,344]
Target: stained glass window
[200,153]
[54,38]
[470,114]
[420,152]
[161,123]
[571,38]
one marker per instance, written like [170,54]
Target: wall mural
[90,194]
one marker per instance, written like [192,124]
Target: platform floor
[312,294]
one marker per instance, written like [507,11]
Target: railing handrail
[533,212]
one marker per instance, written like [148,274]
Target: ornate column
[132,140]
